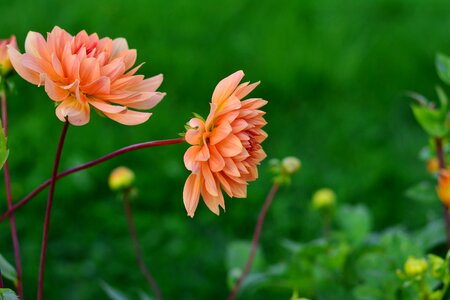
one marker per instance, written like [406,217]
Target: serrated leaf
[443,67]
[7,294]
[8,271]
[112,293]
[4,152]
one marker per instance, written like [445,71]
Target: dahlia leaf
[7,294]
[443,67]
[7,270]
[4,152]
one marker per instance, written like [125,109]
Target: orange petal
[216,161]
[191,194]
[219,133]
[55,92]
[76,113]
[230,146]
[17,61]
[189,157]
[211,201]
[245,89]
[226,87]
[210,183]
[129,117]
[105,107]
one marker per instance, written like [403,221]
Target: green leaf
[423,192]
[113,293]
[144,296]
[443,67]
[237,255]
[7,294]
[4,152]
[432,235]
[355,221]
[443,99]
[8,271]
[433,121]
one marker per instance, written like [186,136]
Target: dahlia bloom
[82,71]
[226,148]
[5,63]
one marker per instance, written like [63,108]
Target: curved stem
[255,240]
[137,247]
[9,200]
[88,165]
[441,160]
[49,210]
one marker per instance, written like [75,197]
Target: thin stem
[9,200]
[1,280]
[441,159]
[137,247]
[255,240]
[88,165]
[48,211]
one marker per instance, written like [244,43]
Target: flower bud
[121,178]
[5,63]
[415,266]
[432,165]
[323,198]
[291,164]
[437,266]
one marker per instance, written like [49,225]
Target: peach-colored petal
[105,107]
[99,86]
[245,89]
[220,133]
[55,92]
[129,117]
[230,146]
[226,87]
[191,194]
[211,201]
[216,161]
[189,157]
[18,64]
[210,183]
[77,114]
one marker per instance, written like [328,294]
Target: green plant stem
[9,200]
[255,240]
[48,211]
[441,160]
[137,247]
[1,280]
[88,165]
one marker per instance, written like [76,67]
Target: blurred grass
[334,73]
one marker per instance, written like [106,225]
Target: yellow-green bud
[415,266]
[291,164]
[121,178]
[323,198]
[437,266]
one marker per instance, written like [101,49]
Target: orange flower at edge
[83,71]
[226,148]
[443,188]
[5,63]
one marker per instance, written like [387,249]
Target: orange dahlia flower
[226,148]
[82,71]
[443,188]
[5,63]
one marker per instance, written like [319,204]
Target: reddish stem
[1,280]
[441,160]
[9,200]
[137,247]
[48,211]
[88,165]
[255,240]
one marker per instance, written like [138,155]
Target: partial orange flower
[443,188]
[5,63]
[83,70]
[226,148]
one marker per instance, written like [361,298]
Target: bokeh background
[335,74]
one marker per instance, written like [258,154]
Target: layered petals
[225,148]
[84,70]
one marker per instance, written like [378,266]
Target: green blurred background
[335,74]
